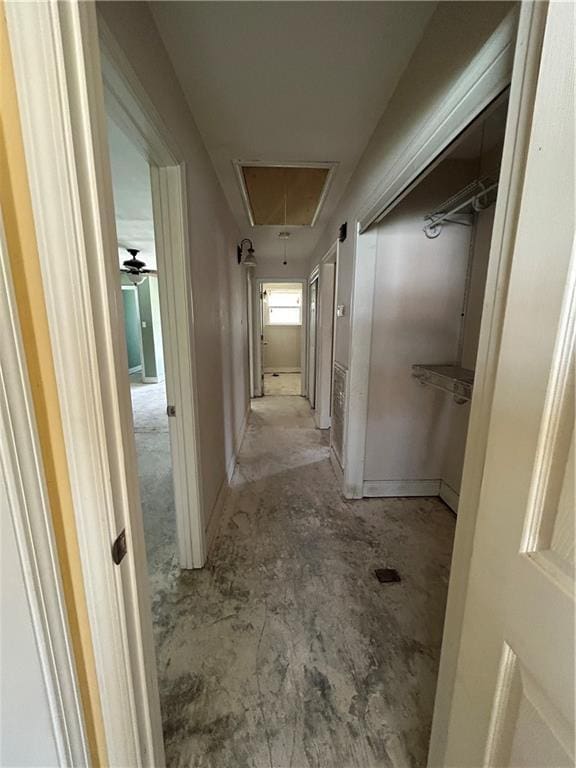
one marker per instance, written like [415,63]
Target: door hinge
[171,410]
[119,548]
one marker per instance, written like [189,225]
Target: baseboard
[449,496]
[215,516]
[383,488]
[150,379]
[286,369]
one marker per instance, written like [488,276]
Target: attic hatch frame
[239,165]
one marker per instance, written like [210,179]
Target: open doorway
[281,339]
[138,277]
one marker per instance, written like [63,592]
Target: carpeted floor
[285,651]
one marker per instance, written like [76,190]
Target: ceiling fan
[135,268]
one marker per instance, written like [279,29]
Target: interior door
[263,341]
[513,701]
[312,340]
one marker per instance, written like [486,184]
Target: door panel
[312,344]
[513,701]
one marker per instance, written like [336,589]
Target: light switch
[143,323]
[340,310]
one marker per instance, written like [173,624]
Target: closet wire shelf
[474,197]
[454,379]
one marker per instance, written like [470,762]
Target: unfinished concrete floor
[285,651]
[282,383]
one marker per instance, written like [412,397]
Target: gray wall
[282,353]
[218,283]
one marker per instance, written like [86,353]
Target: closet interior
[432,263]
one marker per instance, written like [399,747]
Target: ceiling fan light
[136,279]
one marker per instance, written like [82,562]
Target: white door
[313,328]
[513,699]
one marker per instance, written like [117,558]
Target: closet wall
[429,296]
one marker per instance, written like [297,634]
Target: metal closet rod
[433,227]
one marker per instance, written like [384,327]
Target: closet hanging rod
[472,196]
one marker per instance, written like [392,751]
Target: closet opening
[433,250]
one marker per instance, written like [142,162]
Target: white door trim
[23,478]
[169,202]
[356,414]
[131,109]
[522,94]
[57,66]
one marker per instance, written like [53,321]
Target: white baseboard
[150,379]
[376,488]
[215,516]
[284,369]
[449,496]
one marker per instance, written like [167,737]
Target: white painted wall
[282,352]
[419,287]
[26,735]
[218,282]
[452,40]
[273,266]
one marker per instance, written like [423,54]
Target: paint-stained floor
[282,383]
[285,651]
[155,478]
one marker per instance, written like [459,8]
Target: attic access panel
[284,195]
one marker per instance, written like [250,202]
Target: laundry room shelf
[454,379]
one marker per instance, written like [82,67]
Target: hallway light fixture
[249,260]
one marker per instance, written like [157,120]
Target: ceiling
[132,197]
[288,82]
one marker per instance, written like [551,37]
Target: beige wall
[282,352]
[453,38]
[218,282]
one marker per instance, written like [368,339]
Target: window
[283,308]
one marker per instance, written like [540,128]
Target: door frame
[21,466]
[256,333]
[326,341]
[486,78]
[140,367]
[56,55]
[312,361]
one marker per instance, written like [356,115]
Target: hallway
[286,650]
